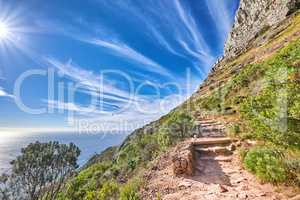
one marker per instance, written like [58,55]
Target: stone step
[207,122]
[211,141]
[212,135]
[216,158]
[209,129]
[212,129]
[213,151]
[199,168]
[211,125]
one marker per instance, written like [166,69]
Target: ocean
[89,144]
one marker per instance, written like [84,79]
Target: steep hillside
[252,19]
[257,97]
[253,90]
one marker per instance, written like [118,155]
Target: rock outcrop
[253,18]
[183,161]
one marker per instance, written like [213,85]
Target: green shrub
[266,163]
[266,119]
[293,171]
[211,103]
[110,190]
[86,181]
[180,125]
[164,139]
[235,130]
[243,152]
[129,192]
[273,114]
[90,195]
[131,164]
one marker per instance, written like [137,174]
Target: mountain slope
[253,90]
[258,96]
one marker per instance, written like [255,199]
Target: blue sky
[152,53]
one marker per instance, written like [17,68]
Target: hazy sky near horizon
[115,63]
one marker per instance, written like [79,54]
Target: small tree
[40,171]
[180,124]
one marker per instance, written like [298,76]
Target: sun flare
[4,31]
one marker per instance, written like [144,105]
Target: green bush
[293,171]
[235,130]
[131,164]
[129,192]
[180,125]
[90,195]
[273,114]
[243,152]
[266,163]
[265,117]
[87,181]
[211,103]
[110,190]
[164,139]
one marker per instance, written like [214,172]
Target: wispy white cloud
[73,107]
[3,93]
[92,82]
[117,105]
[171,25]
[191,26]
[132,118]
[122,49]
[219,13]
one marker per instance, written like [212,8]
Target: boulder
[183,162]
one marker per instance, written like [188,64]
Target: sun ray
[4,31]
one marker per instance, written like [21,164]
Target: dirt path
[218,176]
[220,180]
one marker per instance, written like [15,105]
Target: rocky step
[209,126]
[215,158]
[207,122]
[211,151]
[211,129]
[213,135]
[219,126]
[212,141]
[199,168]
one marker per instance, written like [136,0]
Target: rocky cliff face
[254,17]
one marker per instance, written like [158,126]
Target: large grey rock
[254,17]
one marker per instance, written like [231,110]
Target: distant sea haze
[89,144]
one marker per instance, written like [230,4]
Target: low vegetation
[257,96]
[40,172]
[118,177]
[266,163]
[266,98]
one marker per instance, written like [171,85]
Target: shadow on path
[209,171]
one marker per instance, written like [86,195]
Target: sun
[4,31]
